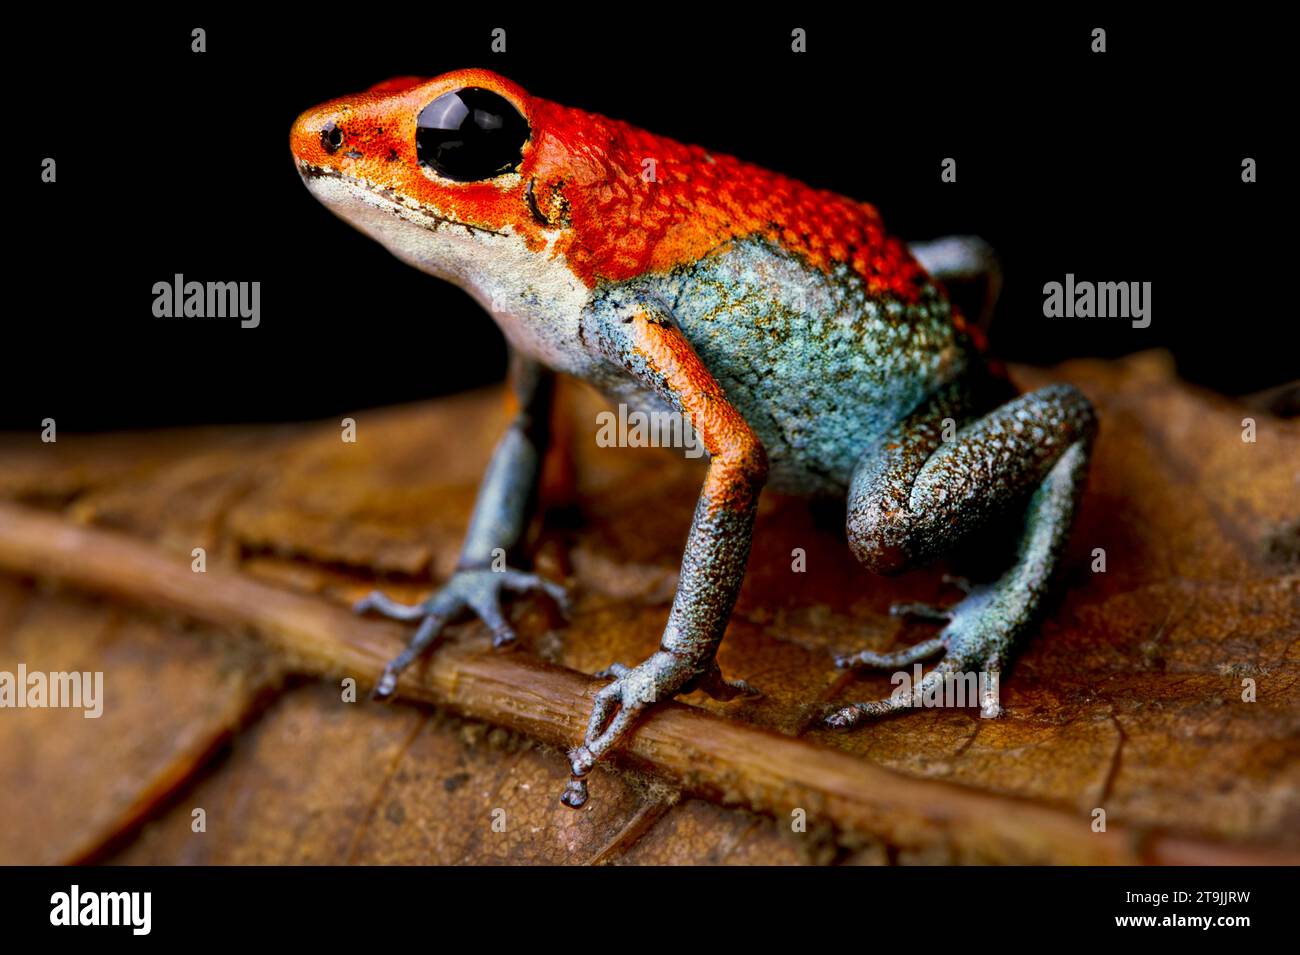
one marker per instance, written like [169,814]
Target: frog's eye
[470,134]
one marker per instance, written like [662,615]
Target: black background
[310,908]
[1123,166]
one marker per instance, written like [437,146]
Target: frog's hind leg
[917,494]
[960,259]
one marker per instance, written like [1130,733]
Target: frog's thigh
[934,480]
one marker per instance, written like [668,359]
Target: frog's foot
[979,631]
[891,661]
[724,690]
[958,259]
[633,690]
[920,611]
[470,591]
[923,611]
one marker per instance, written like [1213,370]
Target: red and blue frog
[812,352]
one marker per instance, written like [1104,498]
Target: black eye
[470,134]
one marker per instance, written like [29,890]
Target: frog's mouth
[400,205]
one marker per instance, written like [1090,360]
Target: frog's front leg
[915,495]
[643,339]
[500,517]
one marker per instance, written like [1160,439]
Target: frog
[811,351]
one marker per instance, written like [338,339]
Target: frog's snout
[318,134]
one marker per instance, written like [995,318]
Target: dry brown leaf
[1128,699]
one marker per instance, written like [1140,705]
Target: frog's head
[458,175]
[421,165]
[530,205]
[439,170]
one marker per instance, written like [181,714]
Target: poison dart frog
[812,352]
